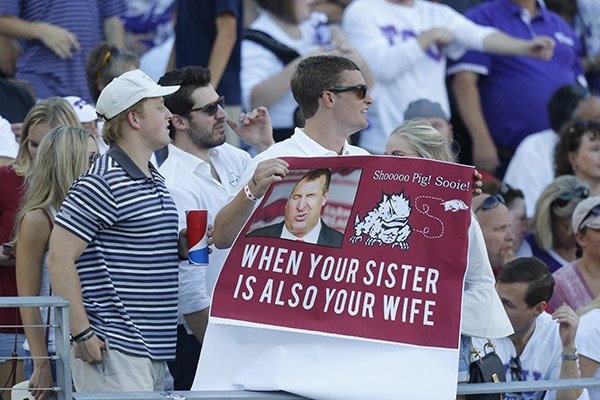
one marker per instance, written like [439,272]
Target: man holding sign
[362,318]
[332,95]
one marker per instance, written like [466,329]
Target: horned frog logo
[385,224]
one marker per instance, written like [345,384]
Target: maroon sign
[385,261]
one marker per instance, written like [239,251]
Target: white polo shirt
[299,145]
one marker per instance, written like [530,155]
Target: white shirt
[260,64]
[192,186]
[483,314]
[588,343]
[540,359]
[385,34]
[531,168]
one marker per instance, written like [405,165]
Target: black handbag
[485,369]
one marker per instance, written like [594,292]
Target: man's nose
[510,237]
[301,204]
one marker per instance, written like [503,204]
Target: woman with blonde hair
[64,154]
[418,138]
[552,239]
[588,344]
[483,313]
[42,117]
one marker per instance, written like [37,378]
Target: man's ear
[328,99]
[133,119]
[325,198]
[540,308]
[580,239]
[180,123]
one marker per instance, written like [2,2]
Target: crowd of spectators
[250,81]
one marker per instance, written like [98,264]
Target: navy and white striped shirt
[128,271]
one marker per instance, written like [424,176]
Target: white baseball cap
[126,90]
[84,110]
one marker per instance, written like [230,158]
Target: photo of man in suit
[302,220]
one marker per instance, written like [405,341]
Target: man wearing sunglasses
[332,94]
[494,218]
[202,172]
[543,345]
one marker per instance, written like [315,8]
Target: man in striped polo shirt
[113,252]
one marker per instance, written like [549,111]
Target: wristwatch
[570,356]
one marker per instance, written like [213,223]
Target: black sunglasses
[580,126]
[580,192]
[359,90]
[211,108]
[515,369]
[595,211]
[490,202]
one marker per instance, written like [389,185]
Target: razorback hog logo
[454,205]
[385,224]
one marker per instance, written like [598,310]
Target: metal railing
[63,370]
[473,388]
[61,328]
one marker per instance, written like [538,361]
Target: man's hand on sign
[267,172]
[477,183]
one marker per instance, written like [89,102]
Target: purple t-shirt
[515,90]
[47,73]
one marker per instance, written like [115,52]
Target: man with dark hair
[531,168]
[539,349]
[303,213]
[201,172]
[332,95]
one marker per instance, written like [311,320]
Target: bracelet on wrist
[570,356]
[249,194]
[83,336]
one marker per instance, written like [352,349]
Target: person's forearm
[231,219]
[197,322]
[273,89]
[19,28]
[501,43]
[114,32]
[468,101]
[36,337]
[569,369]
[222,47]
[65,283]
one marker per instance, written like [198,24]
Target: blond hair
[546,212]
[112,128]
[425,139]
[54,111]
[61,159]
